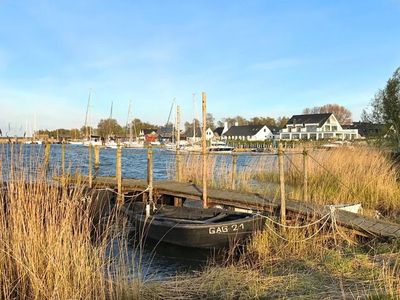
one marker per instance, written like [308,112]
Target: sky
[252,58]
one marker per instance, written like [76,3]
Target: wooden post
[178,200]
[305,175]
[63,159]
[96,156]
[47,151]
[90,171]
[118,174]
[178,138]
[204,145]
[234,170]
[150,173]
[282,183]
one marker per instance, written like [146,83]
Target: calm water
[157,260]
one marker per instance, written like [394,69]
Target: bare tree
[342,114]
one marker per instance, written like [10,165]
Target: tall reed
[50,244]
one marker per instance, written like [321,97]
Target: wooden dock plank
[254,201]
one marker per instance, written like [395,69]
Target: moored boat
[220,147]
[196,227]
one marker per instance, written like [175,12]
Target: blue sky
[253,58]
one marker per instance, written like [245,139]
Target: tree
[282,121]
[386,106]
[109,127]
[138,125]
[342,114]
[238,119]
[262,121]
[210,121]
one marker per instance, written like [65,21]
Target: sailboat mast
[129,123]
[194,117]
[178,125]
[87,117]
[109,121]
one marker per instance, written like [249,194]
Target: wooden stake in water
[282,183]
[150,173]
[96,157]
[118,174]
[305,175]
[90,171]
[47,151]
[204,145]
[63,159]
[234,170]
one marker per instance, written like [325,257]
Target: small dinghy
[195,227]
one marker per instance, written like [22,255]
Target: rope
[118,194]
[298,241]
[336,177]
[293,164]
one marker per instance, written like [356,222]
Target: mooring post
[118,174]
[63,159]
[96,157]
[47,151]
[305,175]
[204,145]
[90,171]
[234,171]
[150,174]
[282,183]
[178,138]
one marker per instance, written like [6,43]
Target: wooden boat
[195,227]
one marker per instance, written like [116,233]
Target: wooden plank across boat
[195,227]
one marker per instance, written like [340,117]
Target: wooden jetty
[167,190]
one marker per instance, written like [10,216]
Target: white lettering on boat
[225,229]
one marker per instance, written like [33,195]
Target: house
[209,134]
[219,132]
[368,130]
[166,133]
[316,127]
[251,133]
[148,135]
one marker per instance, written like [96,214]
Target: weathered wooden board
[359,223]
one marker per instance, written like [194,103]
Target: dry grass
[349,175]
[50,245]
[340,176]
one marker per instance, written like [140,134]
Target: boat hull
[232,230]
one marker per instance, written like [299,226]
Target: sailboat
[194,147]
[110,143]
[129,124]
[89,139]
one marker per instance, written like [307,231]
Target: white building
[251,133]
[315,127]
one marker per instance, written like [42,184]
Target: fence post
[305,175]
[178,200]
[63,159]
[282,183]
[118,174]
[204,145]
[234,171]
[90,173]
[96,157]
[150,173]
